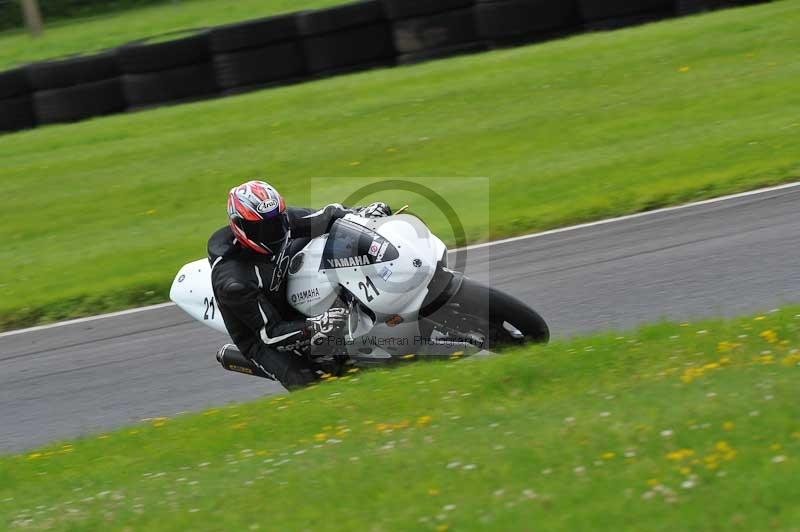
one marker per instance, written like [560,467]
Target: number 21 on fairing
[209,303]
[369,286]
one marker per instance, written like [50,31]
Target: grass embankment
[672,427]
[77,36]
[99,215]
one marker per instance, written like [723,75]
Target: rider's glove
[375,210]
[329,324]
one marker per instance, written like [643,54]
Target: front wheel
[490,318]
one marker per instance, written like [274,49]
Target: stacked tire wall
[511,22]
[167,72]
[346,38]
[16,109]
[76,89]
[298,46]
[256,54]
[425,29]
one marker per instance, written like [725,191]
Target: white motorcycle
[404,301]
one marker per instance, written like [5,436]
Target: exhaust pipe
[233,360]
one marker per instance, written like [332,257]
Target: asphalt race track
[729,257]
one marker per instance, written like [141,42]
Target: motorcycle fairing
[191,291]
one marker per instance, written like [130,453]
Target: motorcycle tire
[503,320]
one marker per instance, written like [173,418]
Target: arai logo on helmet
[266,206]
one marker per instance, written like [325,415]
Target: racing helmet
[257,216]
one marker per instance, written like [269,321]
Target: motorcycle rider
[249,259]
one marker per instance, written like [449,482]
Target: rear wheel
[489,318]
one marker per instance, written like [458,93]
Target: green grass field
[97,33]
[99,215]
[671,427]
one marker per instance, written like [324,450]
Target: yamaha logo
[305,296]
[266,206]
[345,262]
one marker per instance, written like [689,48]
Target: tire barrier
[688,7]
[16,110]
[170,71]
[257,54]
[16,113]
[400,9]
[181,84]
[293,47]
[514,22]
[613,14]
[79,102]
[76,88]
[346,38]
[431,30]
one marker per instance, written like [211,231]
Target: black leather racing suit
[250,290]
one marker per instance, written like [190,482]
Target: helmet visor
[268,233]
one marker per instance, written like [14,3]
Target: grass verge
[99,215]
[690,427]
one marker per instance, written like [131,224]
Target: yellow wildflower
[769,336]
[725,346]
[765,359]
[722,446]
[680,454]
[728,425]
[791,360]
[423,420]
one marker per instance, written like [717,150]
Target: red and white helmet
[257,216]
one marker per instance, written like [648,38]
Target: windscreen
[350,244]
